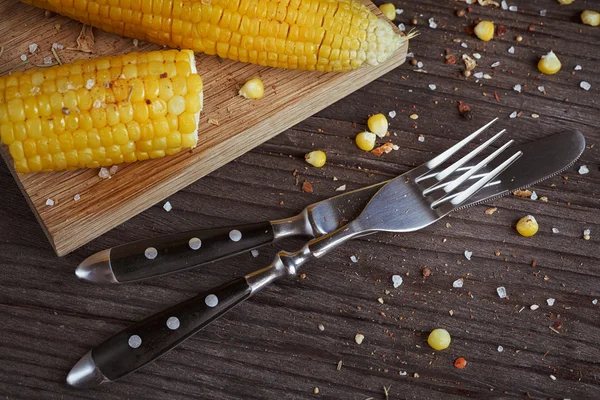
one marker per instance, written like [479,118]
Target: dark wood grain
[271,347]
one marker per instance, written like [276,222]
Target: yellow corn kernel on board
[236,125]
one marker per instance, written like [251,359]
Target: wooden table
[272,347]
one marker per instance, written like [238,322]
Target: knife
[166,254]
[147,340]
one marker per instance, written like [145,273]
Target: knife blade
[176,252]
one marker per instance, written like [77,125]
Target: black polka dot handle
[171,253]
[146,340]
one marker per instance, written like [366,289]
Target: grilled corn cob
[323,35]
[101,112]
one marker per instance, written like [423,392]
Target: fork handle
[166,254]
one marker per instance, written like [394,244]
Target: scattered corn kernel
[590,17]
[439,339]
[316,158]
[527,226]
[253,89]
[365,140]
[378,124]
[484,30]
[549,64]
[389,10]
[565,2]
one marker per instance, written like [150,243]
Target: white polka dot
[235,235]
[211,300]
[151,253]
[134,341]
[195,243]
[173,323]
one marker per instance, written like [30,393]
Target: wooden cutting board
[291,96]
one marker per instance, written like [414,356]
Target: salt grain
[487,76]
[135,42]
[23,57]
[321,327]
[399,11]
[254,253]
[541,89]
[458,283]
[397,281]
[504,5]
[511,50]
[478,75]
[401,27]
[104,174]
[595,301]
[513,8]
[534,196]
[392,114]
[420,64]
[517,88]
[168,207]
[585,85]
[552,377]
[421,138]
[432,86]
[359,338]
[513,114]
[583,170]
[432,23]
[410,55]
[395,147]
[555,230]
[550,301]
[49,202]
[77,197]
[543,13]
[501,292]
[500,349]
[47,60]
[534,307]
[90,84]
[353,259]
[113,170]
[578,68]
[57,46]
[341,188]
[33,47]
[496,64]
[463,44]
[468,254]
[477,56]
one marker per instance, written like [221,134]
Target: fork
[407,203]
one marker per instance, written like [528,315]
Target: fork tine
[493,183]
[439,159]
[460,180]
[449,170]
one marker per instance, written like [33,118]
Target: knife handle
[171,253]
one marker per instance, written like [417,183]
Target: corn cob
[323,35]
[101,112]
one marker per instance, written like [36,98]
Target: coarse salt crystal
[77,197]
[420,64]
[97,103]
[90,84]
[478,75]
[477,56]
[402,373]
[504,5]
[583,170]
[534,196]
[550,301]
[421,138]
[359,338]
[104,174]
[395,147]
[513,114]
[578,68]
[341,188]
[353,259]
[254,253]
[468,254]
[399,11]
[543,13]
[541,89]
[500,349]
[168,207]
[392,114]
[517,88]
[432,86]
[23,57]
[513,8]
[511,50]
[57,46]
[595,301]
[432,23]
[555,230]
[487,76]
[410,55]
[321,327]
[397,281]
[33,47]
[401,27]
[113,170]
[501,292]
[50,202]
[47,60]
[585,85]
[552,377]
[534,307]
[458,283]
[463,44]
[135,42]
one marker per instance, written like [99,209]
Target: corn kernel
[253,89]
[549,64]
[565,2]
[365,140]
[527,226]
[484,30]
[316,158]
[389,10]
[378,124]
[590,17]
[439,339]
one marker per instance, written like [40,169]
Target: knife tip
[86,374]
[96,268]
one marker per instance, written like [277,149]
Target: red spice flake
[385,148]
[302,276]
[469,30]
[451,59]
[557,325]
[307,187]
[465,110]
[534,263]
[460,362]
[501,30]
[163,75]
[531,28]
[496,96]
[426,272]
